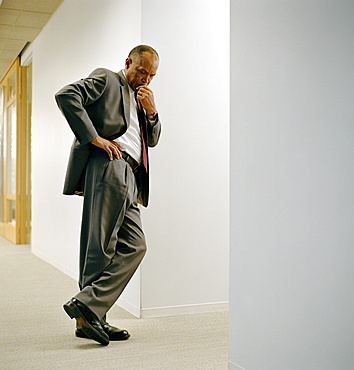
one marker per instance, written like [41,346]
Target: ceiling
[20,23]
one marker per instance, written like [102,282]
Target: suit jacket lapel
[126,97]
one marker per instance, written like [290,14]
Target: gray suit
[112,242]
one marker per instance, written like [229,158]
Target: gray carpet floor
[36,334]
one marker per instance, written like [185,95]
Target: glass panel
[11,149]
[9,226]
[11,212]
[12,85]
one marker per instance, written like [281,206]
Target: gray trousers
[112,242]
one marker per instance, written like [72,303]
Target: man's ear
[128,62]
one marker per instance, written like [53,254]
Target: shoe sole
[82,335]
[74,312]
[111,339]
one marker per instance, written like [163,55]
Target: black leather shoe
[87,320]
[112,332]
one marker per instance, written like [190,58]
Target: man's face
[141,71]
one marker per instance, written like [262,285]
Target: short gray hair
[140,49]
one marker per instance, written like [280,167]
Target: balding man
[114,119]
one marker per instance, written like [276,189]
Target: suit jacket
[99,105]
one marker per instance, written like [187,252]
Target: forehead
[148,61]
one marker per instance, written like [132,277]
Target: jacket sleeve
[153,132]
[73,98]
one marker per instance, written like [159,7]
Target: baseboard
[127,306]
[233,366]
[146,313]
[61,268]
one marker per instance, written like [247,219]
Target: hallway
[36,333]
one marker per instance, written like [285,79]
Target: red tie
[144,149]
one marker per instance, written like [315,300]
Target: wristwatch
[152,117]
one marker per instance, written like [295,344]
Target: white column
[291,185]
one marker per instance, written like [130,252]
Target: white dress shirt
[130,141]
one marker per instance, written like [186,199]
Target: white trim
[135,311]
[233,366]
[183,310]
[26,56]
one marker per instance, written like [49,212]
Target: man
[114,119]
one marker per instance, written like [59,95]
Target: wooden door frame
[17,233]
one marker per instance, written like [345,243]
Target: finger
[144,88]
[144,91]
[112,149]
[116,152]
[140,97]
[118,146]
[140,94]
[110,156]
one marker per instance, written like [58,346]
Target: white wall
[187,222]
[291,185]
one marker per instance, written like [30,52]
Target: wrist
[151,116]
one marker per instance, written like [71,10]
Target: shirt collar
[131,91]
